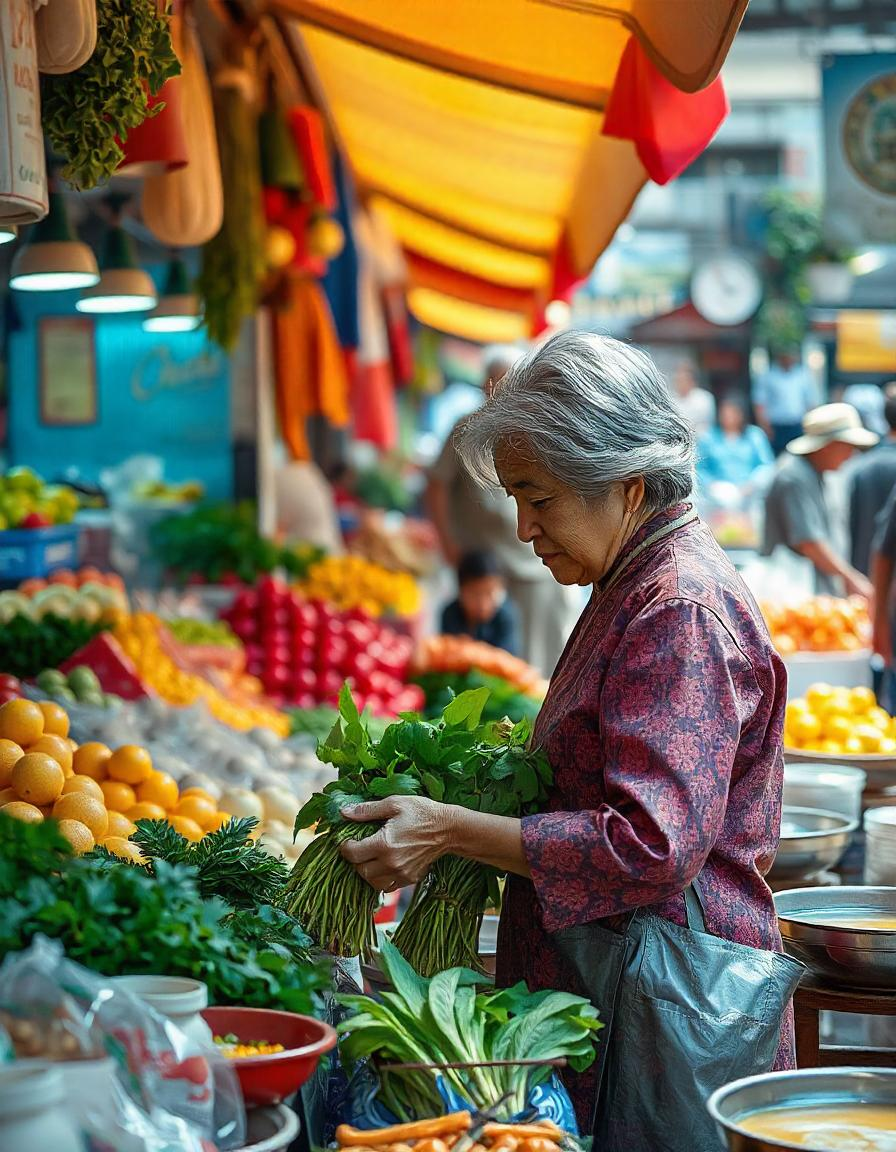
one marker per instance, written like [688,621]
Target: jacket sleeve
[676,696]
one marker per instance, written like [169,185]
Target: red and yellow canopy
[476,128]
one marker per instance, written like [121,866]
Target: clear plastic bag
[134,1081]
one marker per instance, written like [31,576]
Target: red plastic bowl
[266,1080]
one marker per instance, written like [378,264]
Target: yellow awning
[475,126]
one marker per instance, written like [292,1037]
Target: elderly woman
[643,886]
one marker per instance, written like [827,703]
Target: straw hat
[832,423]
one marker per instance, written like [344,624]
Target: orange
[7,796]
[119,825]
[818,694]
[870,736]
[886,746]
[21,811]
[118,797]
[196,808]
[879,718]
[159,789]
[130,763]
[124,849]
[83,784]
[217,821]
[87,809]
[837,728]
[78,835]
[10,752]
[55,718]
[197,792]
[785,644]
[55,746]
[853,746]
[189,829]
[145,811]
[37,778]
[21,721]
[91,760]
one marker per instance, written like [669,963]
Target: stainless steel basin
[808,1088]
[811,842]
[814,926]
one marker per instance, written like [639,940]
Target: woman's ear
[634,493]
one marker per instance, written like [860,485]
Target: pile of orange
[140,637]
[94,792]
[821,624]
[839,721]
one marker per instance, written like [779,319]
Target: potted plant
[828,274]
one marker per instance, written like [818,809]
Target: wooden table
[811,999]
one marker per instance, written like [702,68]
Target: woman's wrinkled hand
[415,833]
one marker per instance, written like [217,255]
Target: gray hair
[594,412]
[497,360]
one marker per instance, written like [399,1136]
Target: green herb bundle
[119,919]
[445,1020]
[87,113]
[455,760]
[29,646]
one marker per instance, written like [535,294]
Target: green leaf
[435,787]
[399,784]
[466,710]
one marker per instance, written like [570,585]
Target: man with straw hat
[796,508]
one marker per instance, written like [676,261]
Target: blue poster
[859,99]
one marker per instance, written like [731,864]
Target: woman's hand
[415,833]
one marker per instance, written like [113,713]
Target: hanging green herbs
[87,113]
[233,262]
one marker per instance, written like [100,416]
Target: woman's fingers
[371,811]
[361,851]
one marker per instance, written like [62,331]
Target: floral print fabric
[663,726]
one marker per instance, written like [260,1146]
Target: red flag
[668,127]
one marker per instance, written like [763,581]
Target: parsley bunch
[455,760]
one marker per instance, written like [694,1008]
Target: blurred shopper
[781,398]
[796,506]
[306,508]
[470,519]
[871,481]
[482,608]
[733,452]
[696,404]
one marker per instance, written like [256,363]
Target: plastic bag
[134,1081]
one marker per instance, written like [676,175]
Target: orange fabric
[309,368]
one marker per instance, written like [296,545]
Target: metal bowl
[809,1088]
[811,922]
[880,769]
[811,842]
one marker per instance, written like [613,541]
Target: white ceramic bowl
[827,787]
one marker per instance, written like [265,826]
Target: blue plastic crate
[28,553]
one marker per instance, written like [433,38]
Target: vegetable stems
[441,927]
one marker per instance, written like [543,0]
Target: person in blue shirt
[482,608]
[733,452]
[781,398]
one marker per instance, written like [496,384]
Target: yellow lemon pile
[95,793]
[839,721]
[353,582]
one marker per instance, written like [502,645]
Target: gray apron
[684,1012]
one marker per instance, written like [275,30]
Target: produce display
[821,624]
[458,760]
[505,699]
[28,646]
[81,685]
[26,501]
[304,650]
[448,1020]
[353,582]
[87,577]
[458,655]
[120,920]
[221,544]
[202,632]
[839,720]
[141,637]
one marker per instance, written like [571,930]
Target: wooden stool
[811,999]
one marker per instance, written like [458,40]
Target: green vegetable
[444,1020]
[319,721]
[457,760]
[29,646]
[87,113]
[116,918]
[214,632]
[505,699]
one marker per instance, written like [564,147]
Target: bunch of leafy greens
[505,699]
[29,646]
[221,540]
[445,1020]
[87,113]
[118,919]
[455,760]
[318,722]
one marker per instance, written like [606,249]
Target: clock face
[726,290]
[869,135]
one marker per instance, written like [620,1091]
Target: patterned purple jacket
[663,726]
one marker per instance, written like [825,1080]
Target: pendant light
[178,307]
[53,259]
[8,232]
[123,285]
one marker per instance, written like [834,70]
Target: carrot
[348,1137]
[431,1144]
[506,1143]
[523,1131]
[538,1144]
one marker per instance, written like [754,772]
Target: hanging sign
[23,172]
[866,341]
[67,371]
[859,104]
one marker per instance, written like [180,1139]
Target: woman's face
[577,541]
